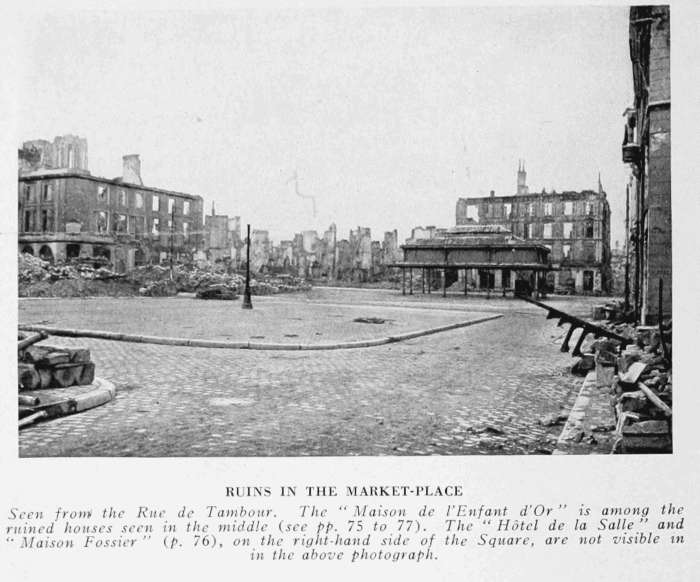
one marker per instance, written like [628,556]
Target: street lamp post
[247,302]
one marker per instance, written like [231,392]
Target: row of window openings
[120,223]
[567,230]
[528,209]
[46,193]
[46,220]
[103,196]
[566,252]
[132,224]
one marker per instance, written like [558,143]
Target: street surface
[474,390]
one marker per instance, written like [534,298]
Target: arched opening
[28,249]
[46,253]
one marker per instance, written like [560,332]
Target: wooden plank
[87,375]
[654,399]
[64,377]
[32,339]
[45,374]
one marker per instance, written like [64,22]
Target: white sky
[388,115]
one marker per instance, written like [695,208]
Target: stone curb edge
[194,343]
[103,392]
[577,414]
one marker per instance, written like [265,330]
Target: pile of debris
[52,367]
[208,281]
[642,392]
[38,277]
[634,364]
[159,281]
[44,367]
[33,269]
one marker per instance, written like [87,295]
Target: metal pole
[247,301]
[172,238]
[335,275]
[410,290]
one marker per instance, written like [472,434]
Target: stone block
[647,436]
[633,373]
[633,401]
[598,312]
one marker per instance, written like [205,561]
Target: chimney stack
[132,169]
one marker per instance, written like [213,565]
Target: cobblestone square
[476,390]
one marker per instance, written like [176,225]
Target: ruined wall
[67,151]
[649,129]
[575,226]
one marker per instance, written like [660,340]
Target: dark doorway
[505,278]
[487,279]
[72,251]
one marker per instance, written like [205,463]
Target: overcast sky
[387,116]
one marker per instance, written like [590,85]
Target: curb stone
[195,343]
[59,403]
[582,418]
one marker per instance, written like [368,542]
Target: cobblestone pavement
[475,390]
[293,319]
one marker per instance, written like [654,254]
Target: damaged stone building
[646,147]
[222,238]
[66,213]
[574,226]
[357,258]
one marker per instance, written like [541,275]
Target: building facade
[646,147]
[65,213]
[574,226]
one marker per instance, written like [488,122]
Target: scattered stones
[633,373]
[552,419]
[585,364]
[603,428]
[633,401]
[375,320]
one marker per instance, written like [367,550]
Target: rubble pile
[32,269]
[52,367]
[640,382]
[155,280]
[83,278]
[42,367]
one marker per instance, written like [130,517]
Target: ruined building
[66,213]
[67,152]
[646,147]
[574,226]
[222,238]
